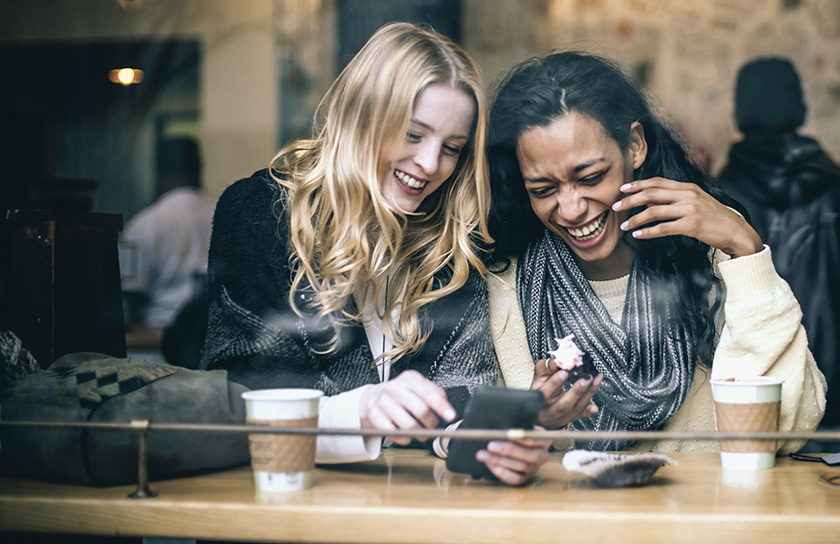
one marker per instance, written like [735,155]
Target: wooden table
[408,496]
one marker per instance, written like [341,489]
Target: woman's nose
[427,157]
[571,207]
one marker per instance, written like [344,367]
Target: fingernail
[637,233]
[449,414]
[626,187]
[616,206]
[624,225]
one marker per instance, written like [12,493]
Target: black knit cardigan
[254,334]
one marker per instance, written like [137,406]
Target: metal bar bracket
[140,427]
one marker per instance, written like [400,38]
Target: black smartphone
[492,408]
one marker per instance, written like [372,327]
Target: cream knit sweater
[762,334]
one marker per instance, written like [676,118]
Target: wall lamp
[125,76]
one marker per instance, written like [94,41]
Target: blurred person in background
[164,248]
[791,189]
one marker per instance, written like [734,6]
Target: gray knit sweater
[254,334]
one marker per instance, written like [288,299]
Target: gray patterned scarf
[647,361]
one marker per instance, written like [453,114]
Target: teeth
[591,230]
[408,180]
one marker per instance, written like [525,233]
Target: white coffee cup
[282,462]
[743,405]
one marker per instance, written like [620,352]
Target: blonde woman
[354,264]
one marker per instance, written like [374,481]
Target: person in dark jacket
[354,265]
[791,189]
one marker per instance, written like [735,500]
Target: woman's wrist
[441,443]
[747,242]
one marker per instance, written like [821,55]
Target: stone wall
[686,52]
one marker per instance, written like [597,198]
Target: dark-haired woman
[610,233]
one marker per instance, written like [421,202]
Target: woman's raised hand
[409,401]
[676,208]
[562,407]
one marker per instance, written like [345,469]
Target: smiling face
[437,132]
[573,170]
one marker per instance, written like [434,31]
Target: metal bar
[464,434]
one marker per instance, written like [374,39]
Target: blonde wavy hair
[344,237]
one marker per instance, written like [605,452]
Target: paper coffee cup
[282,462]
[743,405]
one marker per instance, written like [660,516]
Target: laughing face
[573,170]
[437,132]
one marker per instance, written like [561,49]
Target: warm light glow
[129,5]
[126,76]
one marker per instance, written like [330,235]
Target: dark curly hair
[542,89]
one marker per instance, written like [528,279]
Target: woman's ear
[637,145]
